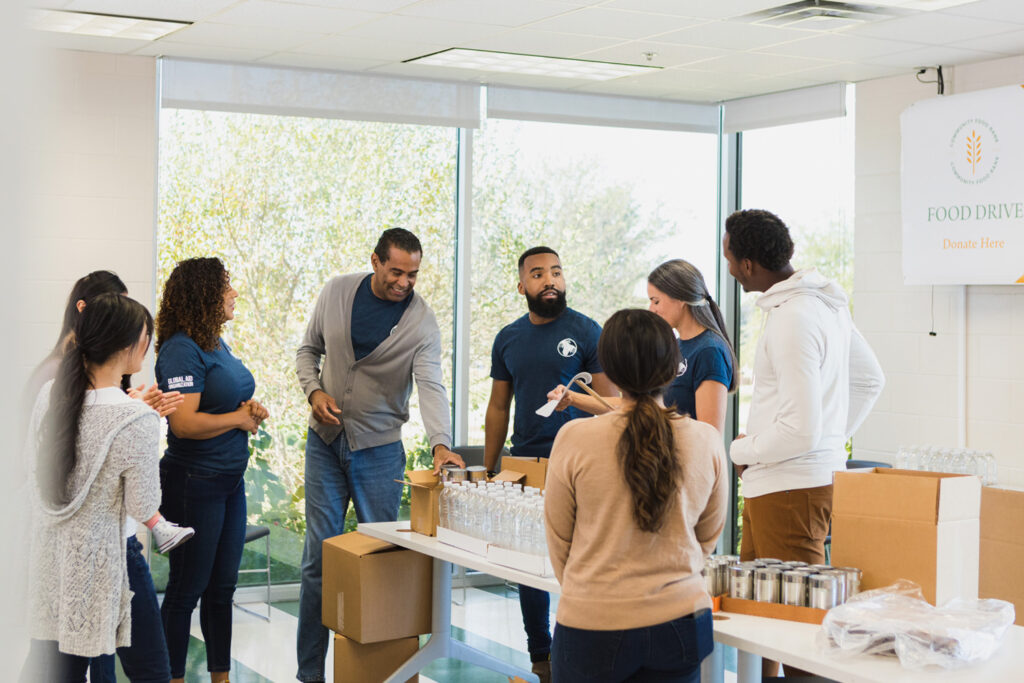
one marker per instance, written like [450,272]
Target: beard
[546,308]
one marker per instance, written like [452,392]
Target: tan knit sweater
[613,575]
[78,592]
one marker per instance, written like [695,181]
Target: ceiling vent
[822,15]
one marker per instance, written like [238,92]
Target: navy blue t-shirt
[223,384]
[535,359]
[705,357]
[373,319]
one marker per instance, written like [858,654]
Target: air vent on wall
[822,15]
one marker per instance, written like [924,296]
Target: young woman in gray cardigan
[95,462]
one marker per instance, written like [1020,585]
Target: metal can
[768,560]
[477,473]
[741,582]
[456,474]
[821,590]
[767,584]
[796,563]
[794,588]
[709,575]
[853,576]
[840,584]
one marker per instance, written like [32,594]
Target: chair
[253,533]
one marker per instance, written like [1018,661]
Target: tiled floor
[489,619]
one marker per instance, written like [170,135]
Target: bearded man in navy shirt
[547,346]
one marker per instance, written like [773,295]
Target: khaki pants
[787,525]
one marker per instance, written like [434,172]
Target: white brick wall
[921,399]
[93,186]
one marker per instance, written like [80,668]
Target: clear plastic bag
[896,621]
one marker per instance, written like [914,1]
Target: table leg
[748,667]
[441,643]
[712,669]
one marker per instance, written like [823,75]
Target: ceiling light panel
[534,65]
[108,26]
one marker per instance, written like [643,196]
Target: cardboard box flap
[959,498]
[509,475]
[421,478]
[1002,515]
[360,545]
[907,495]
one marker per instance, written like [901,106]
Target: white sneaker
[169,535]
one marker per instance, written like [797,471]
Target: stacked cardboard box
[377,598]
[1002,547]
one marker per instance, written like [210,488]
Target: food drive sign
[963,189]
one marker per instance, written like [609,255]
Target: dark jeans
[536,607]
[671,651]
[207,566]
[145,660]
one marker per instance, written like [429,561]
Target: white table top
[798,644]
[400,534]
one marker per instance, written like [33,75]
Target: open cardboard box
[1002,547]
[905,524]
[375,591]
[535,469]
[371,663]
[424,500]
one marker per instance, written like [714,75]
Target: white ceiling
[707,55]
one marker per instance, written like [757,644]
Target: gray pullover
[373,392]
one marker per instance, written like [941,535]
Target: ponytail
[650,465]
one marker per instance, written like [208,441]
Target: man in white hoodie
[815,380]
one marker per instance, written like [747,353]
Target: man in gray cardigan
[374,336]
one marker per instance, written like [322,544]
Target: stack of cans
[772,580]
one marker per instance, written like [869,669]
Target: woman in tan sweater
[635,500]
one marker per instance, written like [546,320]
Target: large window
[613,202]
[288,203]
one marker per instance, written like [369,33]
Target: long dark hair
[682,281]
[193,302]
[85,289]
[108,325]
[638,352]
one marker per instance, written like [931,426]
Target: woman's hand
[257,412]
[247,419]
[562,395]
[163,402]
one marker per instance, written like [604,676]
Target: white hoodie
[815,380]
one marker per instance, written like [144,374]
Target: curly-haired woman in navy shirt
[201,473]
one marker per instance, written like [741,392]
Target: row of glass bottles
[951,460]
[499,513]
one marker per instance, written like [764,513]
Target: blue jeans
[335,474]
[536,608]
[145,660]
[671,651]
[207,566]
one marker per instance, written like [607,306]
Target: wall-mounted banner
[963,189]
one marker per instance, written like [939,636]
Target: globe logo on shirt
[567,347]
[682,368]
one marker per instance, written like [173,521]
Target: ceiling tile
[71,41]
[705,9]
[732,36]
[932,55]
[528,41]
[852,72]
[180,10]
[837,46]
[331,63]
[282,15]
[215,52]
[932,29]
[760,64]
[665,54]
[599,21]
[364,48]
[362,5]
[449,33]
[245,37]
[1005,43]
[499,12]
[997,10]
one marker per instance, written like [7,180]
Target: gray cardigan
[373,393]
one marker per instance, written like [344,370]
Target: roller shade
[792,106]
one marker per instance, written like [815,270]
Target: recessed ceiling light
[106,25]
[534,65]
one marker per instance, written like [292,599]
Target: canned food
[477,473]
[853,576]
[767,584]
[456,474]
[821,590]
[840,584]
[741,582]
[768,560]
[794,588]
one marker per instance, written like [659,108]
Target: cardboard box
[540,565]
[535,469]
[373,590]
[1002,547]
[773,610]
[471,544]
[371,663]
[509,475]
[424,500]
[903,524]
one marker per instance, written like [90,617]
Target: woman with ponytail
[705,375]
[95,463]
[635,500]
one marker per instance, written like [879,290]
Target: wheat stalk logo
[973,150]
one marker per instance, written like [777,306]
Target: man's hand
[561,394]
[324,408]
[740,468]
[443,456]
